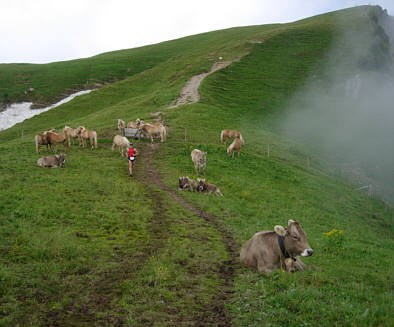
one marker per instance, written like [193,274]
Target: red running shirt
[131,152]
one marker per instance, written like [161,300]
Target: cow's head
[61,159]
[294,239]
[201,185]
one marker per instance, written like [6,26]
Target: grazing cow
[52,161]
[231,134]
[85,134]
[122,142]
[153,129]
[54,139]
[267,250]
[71,134]
[121,124]
[207,188]
[187,184]
[235,146]
[200,160]
[42,139]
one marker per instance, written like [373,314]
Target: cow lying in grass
[204,187]
[268,250]
[187,184]
[52,161]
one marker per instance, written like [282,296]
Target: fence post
[268,150]
[185,134]
[22,135]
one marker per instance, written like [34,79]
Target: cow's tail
[164,133]
[242,139]
[222,136]
[36,142]
[95,139]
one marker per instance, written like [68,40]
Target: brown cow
[153,129]
[231,134]
[52,161]
[54,138]
[71,133]
[235,146]
[135,124]
[42,139]
[85,134]
[267,250]
[207,188]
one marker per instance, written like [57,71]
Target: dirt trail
[227,268]
[189,93]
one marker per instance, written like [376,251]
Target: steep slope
[86,245]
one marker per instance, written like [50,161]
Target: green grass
[86,244]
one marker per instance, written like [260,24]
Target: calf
[52,161]
[268,250]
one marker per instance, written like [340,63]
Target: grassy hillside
[87,245]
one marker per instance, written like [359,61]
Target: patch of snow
[18,112]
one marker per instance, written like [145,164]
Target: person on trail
[131,155]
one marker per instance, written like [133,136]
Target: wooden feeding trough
[132,132]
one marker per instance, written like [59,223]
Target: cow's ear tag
[280,230]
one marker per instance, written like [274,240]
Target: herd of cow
[266,250]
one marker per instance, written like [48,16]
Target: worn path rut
[228,268]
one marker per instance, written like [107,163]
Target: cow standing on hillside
[199,159]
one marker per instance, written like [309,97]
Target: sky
[43,31]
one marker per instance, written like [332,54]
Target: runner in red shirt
[131,154]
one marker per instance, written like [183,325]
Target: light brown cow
[235,146]
[42,139]
[121,124]
[121,142]
[135,124]
[54,139]
[199,159]
[71,133]
[204,187]
[153,129]
[231,134]
[87,135]
[263,251]
[52,161]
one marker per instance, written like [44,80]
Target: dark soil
[216,314]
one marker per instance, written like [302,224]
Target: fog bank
[346,111]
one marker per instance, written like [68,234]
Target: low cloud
[346,112]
